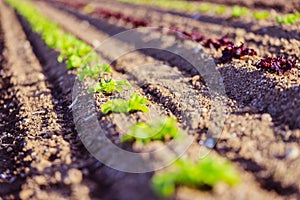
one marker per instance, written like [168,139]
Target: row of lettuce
[235,11]
[85,62]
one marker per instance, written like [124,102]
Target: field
[136,100]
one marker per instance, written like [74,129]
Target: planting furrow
[258,94]
[44,158]
[11,135]
[55,15]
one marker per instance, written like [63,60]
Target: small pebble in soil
[2,176]
[74,176]
[191,102]
[183,106]
[194,120]
[233,134]
[9,149]
[209,142]
[292,153]
[26,193]
[177,94]
[25,121]
[266,117]
[202,111]
[196,16]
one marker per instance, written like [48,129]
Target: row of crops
[222,10]
[82,60]
[279,64]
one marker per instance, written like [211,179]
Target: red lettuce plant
[279,64]
[233,51]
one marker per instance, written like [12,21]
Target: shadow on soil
[268,183]
[263,95]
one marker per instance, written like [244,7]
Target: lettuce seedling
[93,71]
[110,86]
[206,172]
[279,64]
[288,18]
[157,130]
[135,103]
[73,61]
[204,7]
[232,51]
[220,9]
[261,15]
[216,44]
[238,11]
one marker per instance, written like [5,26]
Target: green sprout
[220,9]
[73,61]
[93,71]
[261,15]
[156,130]
[288,18]
[204,7]
[238,11]
[135,103]
[206,172]
[110,86]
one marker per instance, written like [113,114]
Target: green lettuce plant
[135,103]
[156,130]
[220,9]
[288,18]
[110,86]
[206,172]
[261,15]
[93,71]
[204,7]
[238,11]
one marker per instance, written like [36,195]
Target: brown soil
[44,157]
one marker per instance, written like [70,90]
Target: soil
[43,157]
